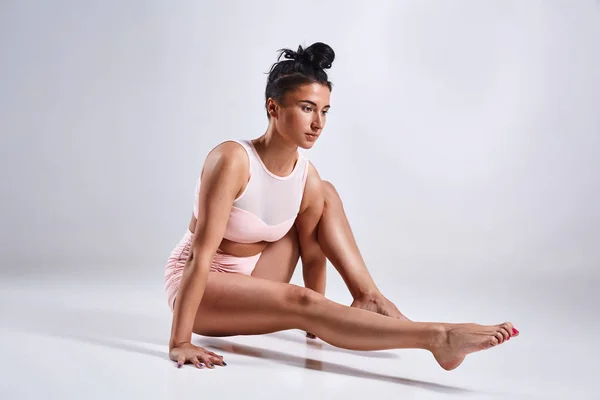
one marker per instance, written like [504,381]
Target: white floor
[69,337]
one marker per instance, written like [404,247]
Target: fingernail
[224,363]
[212,365]
[202,365]
[515,331]
[178,365]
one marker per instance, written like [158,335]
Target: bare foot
[458,340]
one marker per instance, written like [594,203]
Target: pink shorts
[221,263]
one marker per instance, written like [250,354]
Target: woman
[259,205]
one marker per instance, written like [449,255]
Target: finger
[206,360]
[196,362]
[214,354]
[201,361]
[394,312]
[217,361]
[180,361]
[400,316]
[310,335]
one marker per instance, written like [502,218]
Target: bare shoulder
[313,190]
[227,156]
[228,152]
[313,181]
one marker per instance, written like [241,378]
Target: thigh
[279,259]
[237,304]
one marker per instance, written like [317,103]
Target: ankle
[370,295]
[437,337]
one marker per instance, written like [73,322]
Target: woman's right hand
[200,357]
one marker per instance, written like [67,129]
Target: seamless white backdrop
[464,139]
[463,136]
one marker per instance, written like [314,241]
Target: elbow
[199,259]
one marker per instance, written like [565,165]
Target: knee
[331,195]
[299,297]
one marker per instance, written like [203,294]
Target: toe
[494,341]
[498,335]
[505,332]
[509,328]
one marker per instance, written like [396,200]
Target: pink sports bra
[268,206]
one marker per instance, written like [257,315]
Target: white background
[463,138]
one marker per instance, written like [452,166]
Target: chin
[306,145]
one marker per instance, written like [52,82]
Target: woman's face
[301,117]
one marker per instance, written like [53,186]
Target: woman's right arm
[224,174]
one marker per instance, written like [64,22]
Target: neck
[277,153]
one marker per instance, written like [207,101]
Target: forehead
[314,92]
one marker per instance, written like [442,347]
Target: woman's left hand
[379,304]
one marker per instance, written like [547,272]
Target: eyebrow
[313,103]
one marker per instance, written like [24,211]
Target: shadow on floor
[138,333]
[291,336]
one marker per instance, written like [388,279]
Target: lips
[312,135]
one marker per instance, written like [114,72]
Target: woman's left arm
[311,210]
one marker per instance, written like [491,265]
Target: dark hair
[303,66]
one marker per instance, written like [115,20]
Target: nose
[317,122]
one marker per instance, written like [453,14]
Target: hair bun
[318,55]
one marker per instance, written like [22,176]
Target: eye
[307,107]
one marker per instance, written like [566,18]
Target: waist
[235,249]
